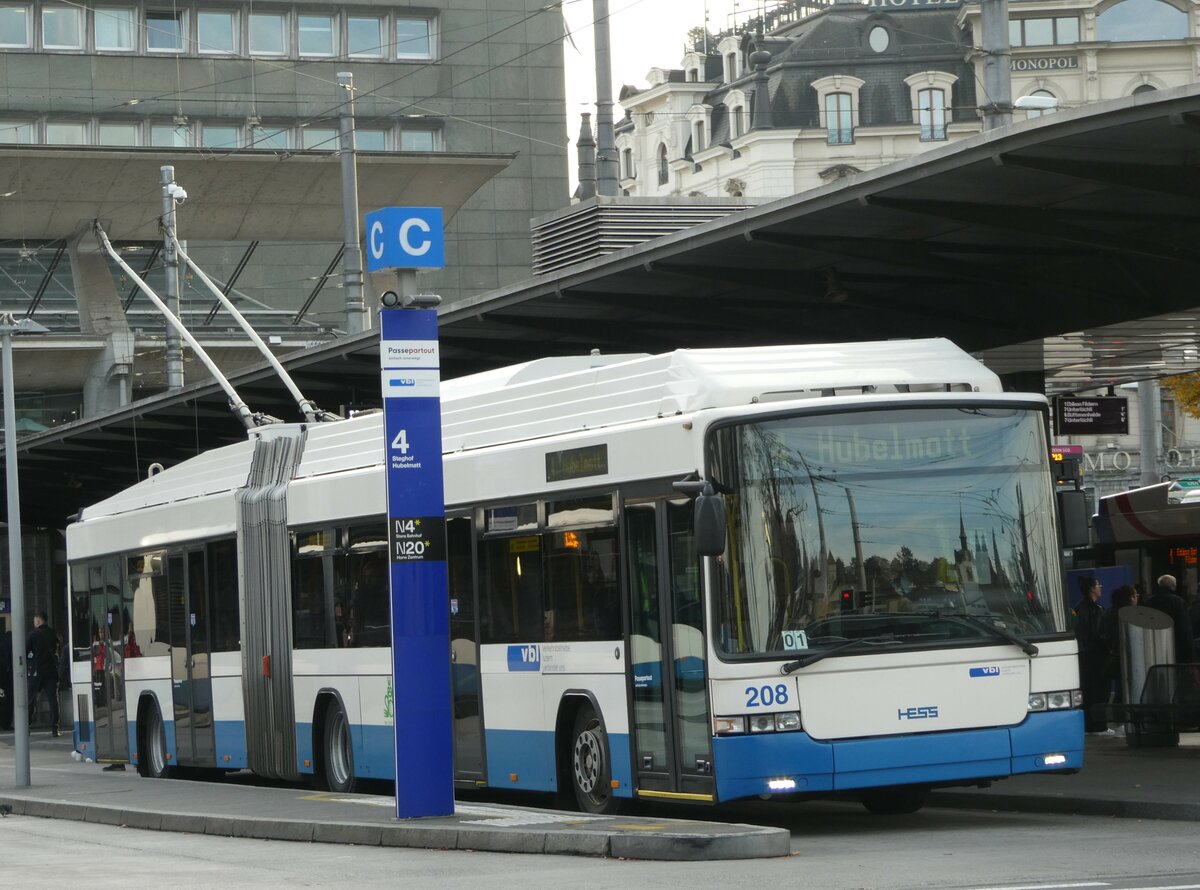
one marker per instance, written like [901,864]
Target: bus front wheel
[153,763]
[338,750]
[591,771]
[898,801]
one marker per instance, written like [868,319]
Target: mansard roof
[834,41]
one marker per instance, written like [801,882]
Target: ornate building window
[931,93]
[837,99]
[1132,20]
[931,114]
[839,125]
[664,170]
[1043,32]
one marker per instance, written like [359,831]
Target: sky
[645,34]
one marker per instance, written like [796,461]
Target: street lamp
[16,579]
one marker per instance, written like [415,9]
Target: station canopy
[1061,248]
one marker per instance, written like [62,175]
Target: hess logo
[924,712]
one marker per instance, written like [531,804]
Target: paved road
[834,846]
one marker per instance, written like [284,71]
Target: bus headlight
[788,721]
[1056,701]
[729,725]
[762,723]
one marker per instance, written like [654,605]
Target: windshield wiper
[840,648]
[974,620]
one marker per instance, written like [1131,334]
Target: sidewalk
[66,789]
[1116,780]
[1143,783]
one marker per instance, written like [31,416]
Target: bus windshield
[897,527]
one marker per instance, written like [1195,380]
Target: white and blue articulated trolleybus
[700,576]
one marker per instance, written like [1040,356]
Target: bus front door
[672,735]
[191,681]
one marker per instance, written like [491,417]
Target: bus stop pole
[16,581]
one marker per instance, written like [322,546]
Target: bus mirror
[1073,518]
[710,523]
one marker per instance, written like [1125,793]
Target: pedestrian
[1167,601]
[6,681]
[1110,636]
[42,664]
[1093,678]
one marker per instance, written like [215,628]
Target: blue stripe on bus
[373,748]
[529,755]
[521,758]
[1052,732]
[930,757]
[745,764]
[229,737]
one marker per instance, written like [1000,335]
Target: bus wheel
[339,750]
[153,762]
[590,770]
[895,801]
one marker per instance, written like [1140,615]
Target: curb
[750,842]
[1073,806]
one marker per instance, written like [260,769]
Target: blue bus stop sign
[405,238]
[408,352]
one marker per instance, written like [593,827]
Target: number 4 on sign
[400,443]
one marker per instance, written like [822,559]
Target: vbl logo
[920,713]
[524,658]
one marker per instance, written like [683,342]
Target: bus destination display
[1091,416]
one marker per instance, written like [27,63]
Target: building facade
[853,86]
[445,77]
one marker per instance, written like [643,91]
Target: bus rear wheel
[591,771]
[338,748]
[898,801]
[152,762]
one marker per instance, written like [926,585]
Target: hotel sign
[914,4]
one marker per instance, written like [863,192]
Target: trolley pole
[352,260]
[171,267]
[997,59]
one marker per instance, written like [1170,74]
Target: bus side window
[512,591]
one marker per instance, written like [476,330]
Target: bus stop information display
[1095,416]
[408,353]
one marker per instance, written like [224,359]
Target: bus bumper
[770,763]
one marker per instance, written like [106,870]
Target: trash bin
[1147,639]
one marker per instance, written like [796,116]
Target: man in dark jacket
[1167,601]
[1093,677]
[43,668]
[6,680]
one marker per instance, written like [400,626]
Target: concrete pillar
[109,380]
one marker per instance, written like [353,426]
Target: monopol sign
[405,238]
